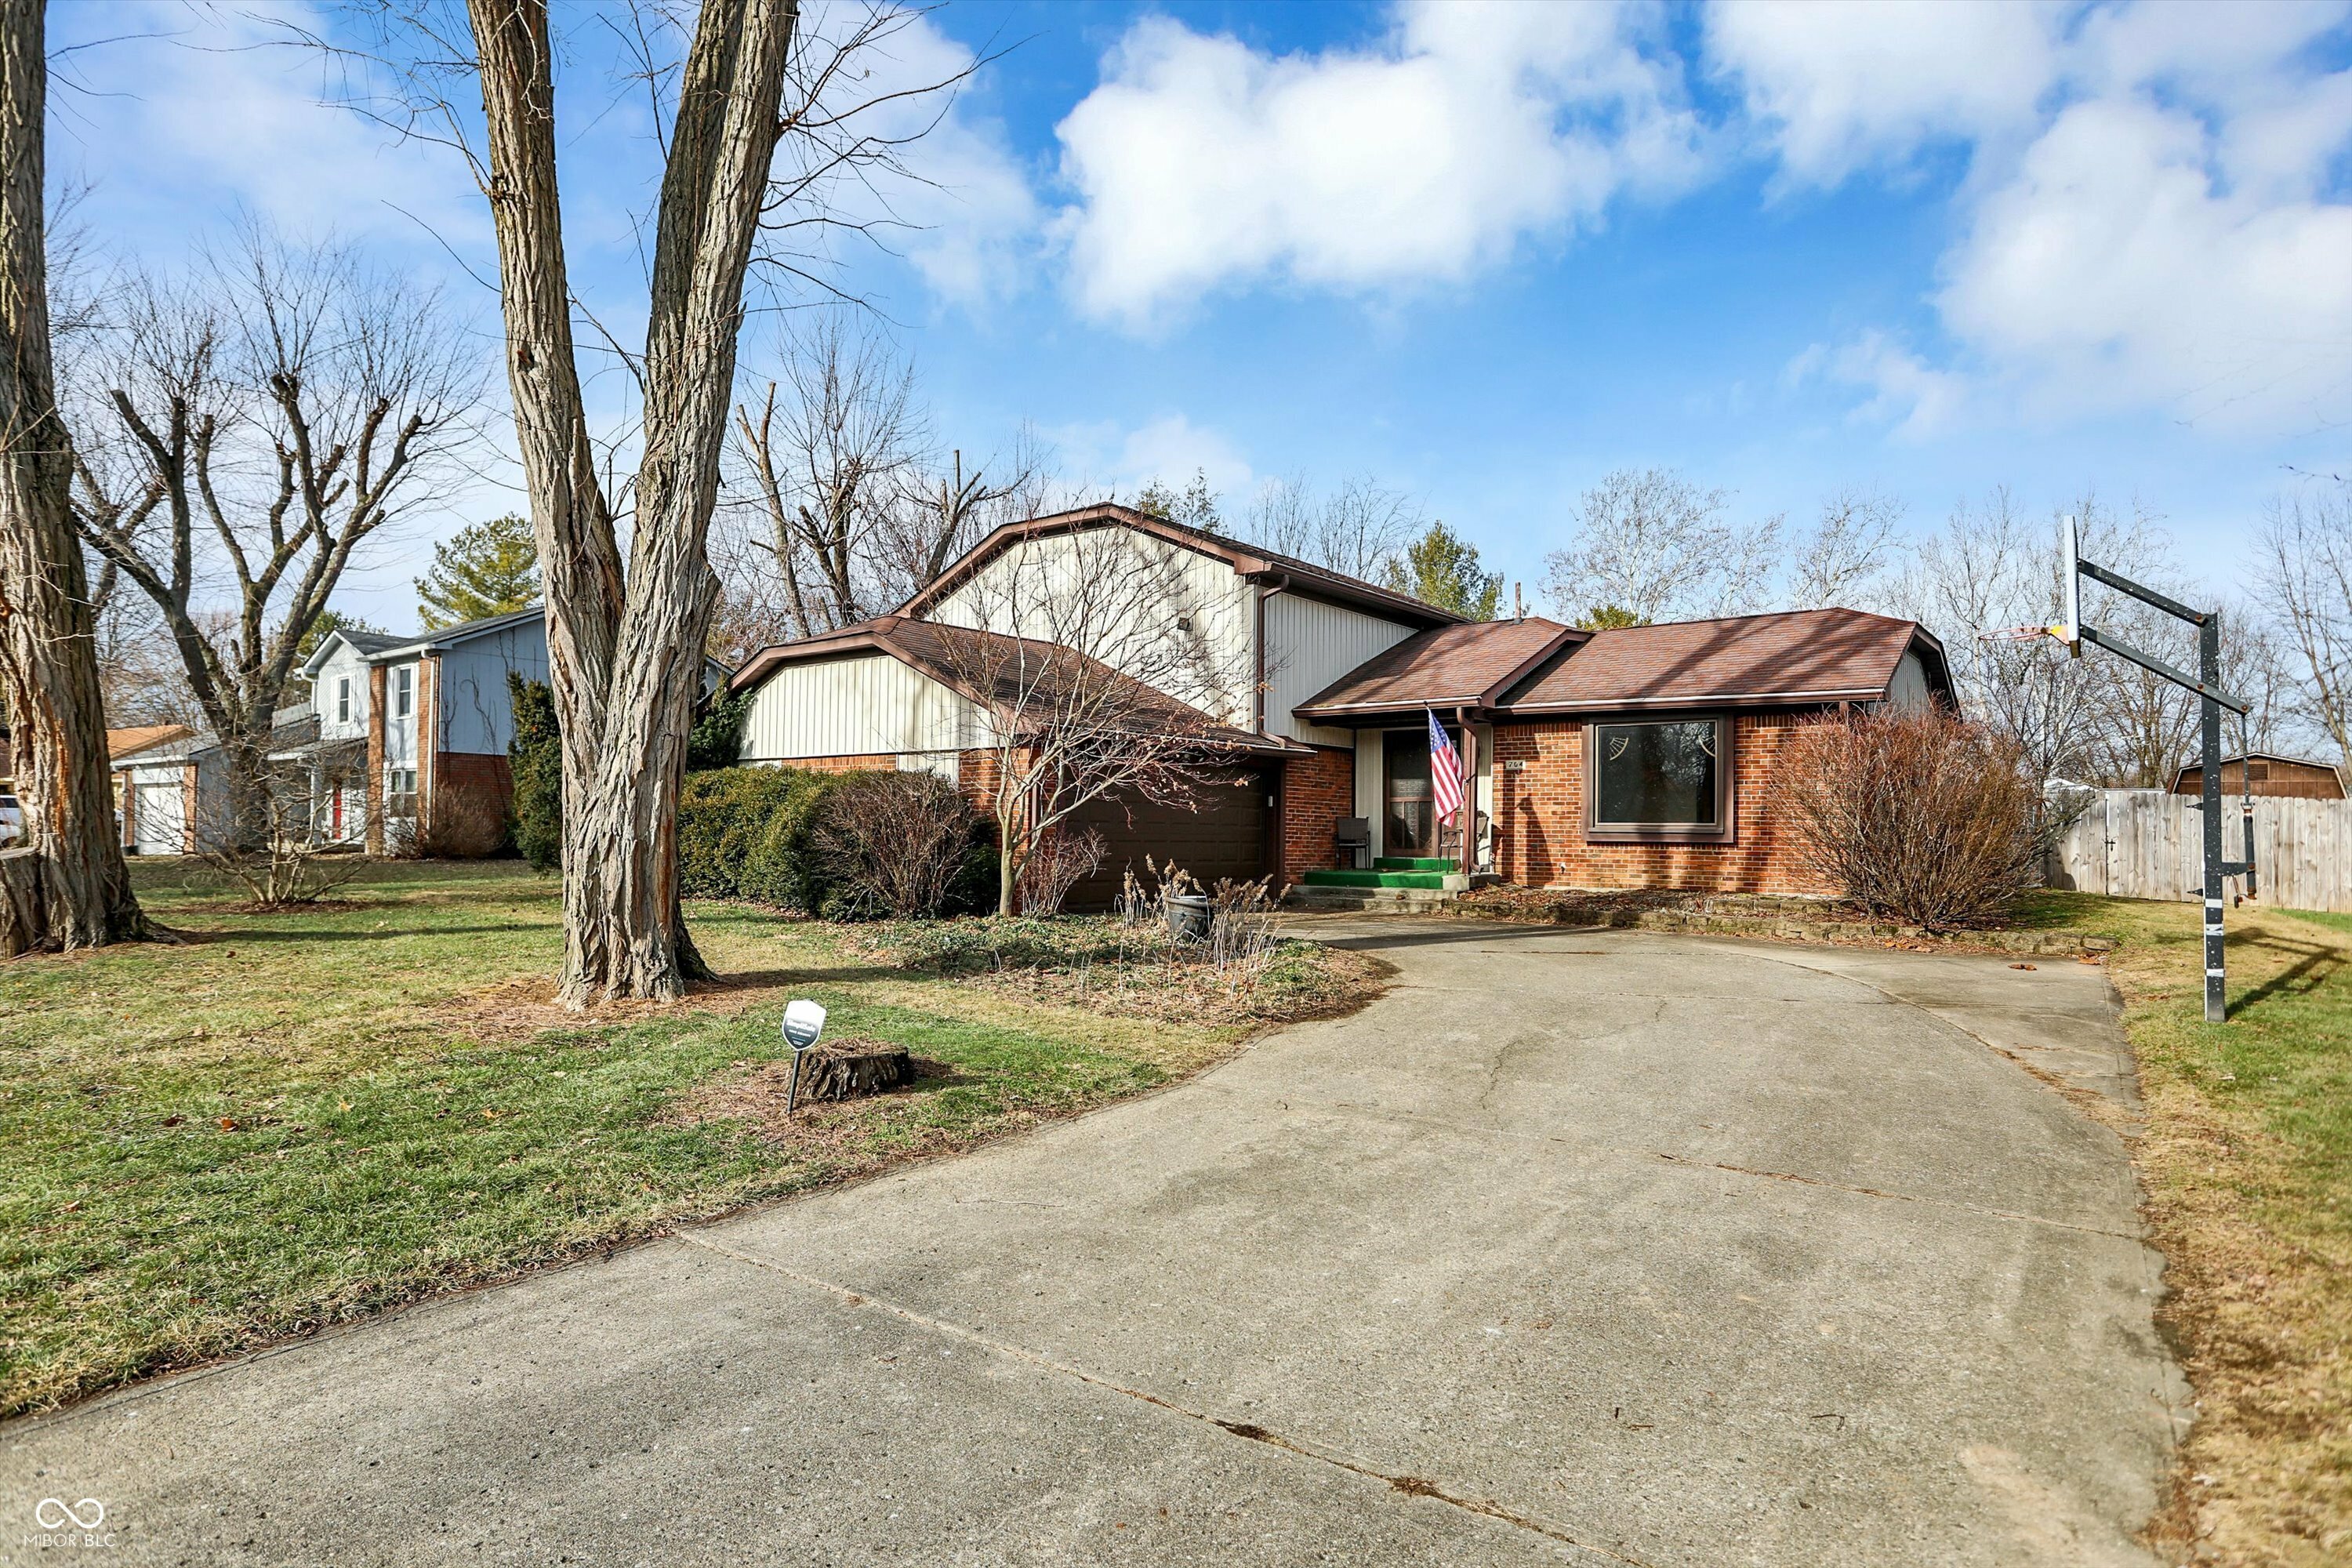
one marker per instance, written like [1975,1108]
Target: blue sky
[1483,254]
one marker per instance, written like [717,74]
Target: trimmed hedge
[743,833]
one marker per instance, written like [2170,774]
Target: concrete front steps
[1395,883]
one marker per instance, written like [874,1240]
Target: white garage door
[163,818]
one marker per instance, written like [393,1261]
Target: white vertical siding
[1309,643]
[1909,686]
[399,734]
[344,664]
[865,705]
[476,714]
[1012,592]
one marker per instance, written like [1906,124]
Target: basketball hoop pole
[2207,684]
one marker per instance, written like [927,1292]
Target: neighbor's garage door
[1226,837]
[161,818]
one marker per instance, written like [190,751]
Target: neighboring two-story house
[1637,757]
[403,741]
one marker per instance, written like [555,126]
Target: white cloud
[1110,460]
[1904,391]
[194,113]
[1198,162]
[2153,218]
[2114,268]
[963,213]
[1838,87]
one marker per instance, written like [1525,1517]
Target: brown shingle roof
[1444,667]
[1794,657]
[968,660]
[136,738]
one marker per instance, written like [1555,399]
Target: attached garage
[1229,836]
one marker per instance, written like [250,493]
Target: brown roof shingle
[136,738]
[1444,667]
[1793,657]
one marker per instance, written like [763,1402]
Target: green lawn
[2247,1160]
[305,1117]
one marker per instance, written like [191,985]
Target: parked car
[12,819]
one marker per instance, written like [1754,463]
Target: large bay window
[1658,779]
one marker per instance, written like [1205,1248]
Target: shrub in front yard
[1916,815]
[892,844]
[745,833]
[535,757]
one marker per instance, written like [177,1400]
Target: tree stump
[22,926]
[852,1065]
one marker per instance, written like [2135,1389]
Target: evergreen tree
[1610,618]
[1195,507]
[535,758]
[486,569]
[1440,568]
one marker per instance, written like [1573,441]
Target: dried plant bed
[1780,919]
[208,1147]
[2246,1160]
[1112,966]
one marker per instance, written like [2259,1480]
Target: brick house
[1630,758]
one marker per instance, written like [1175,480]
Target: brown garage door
[1226,837]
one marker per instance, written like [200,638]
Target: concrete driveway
[1581,1248]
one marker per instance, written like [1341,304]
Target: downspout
[1281,847]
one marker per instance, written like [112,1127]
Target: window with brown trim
[1658,779]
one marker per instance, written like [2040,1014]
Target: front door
[1409,809]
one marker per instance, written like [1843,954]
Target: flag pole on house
[1445,783]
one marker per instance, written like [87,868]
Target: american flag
[1445,768]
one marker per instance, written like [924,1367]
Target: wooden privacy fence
[2149,843]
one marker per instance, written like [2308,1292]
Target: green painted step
[1432,880]
[1406,863]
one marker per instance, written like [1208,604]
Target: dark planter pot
[1188,917]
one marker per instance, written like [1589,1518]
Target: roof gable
[1248,561]
[1469,665]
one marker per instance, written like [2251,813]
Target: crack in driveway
[1410,1485]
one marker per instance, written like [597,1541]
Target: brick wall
[1316,792]
[1540,820]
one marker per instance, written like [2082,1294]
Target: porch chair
[1351,838]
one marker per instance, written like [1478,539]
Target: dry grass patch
[2247,1163]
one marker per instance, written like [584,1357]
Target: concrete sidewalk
[1578,1247]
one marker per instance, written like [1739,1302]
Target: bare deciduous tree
[828,456]
[48,663]
[245,432]
[856,511]
[2306,542]
[1842,560]
[1359,529]
[1088,696]
[1653,545]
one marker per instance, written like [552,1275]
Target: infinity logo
[51,1513]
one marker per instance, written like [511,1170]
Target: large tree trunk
[49,646]
[625,661]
